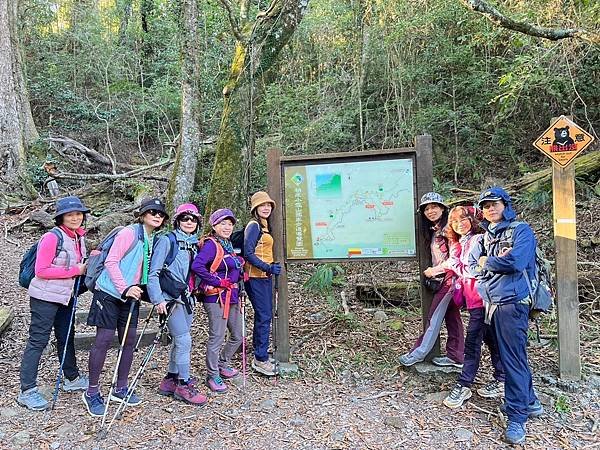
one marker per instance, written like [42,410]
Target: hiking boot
[228,372]
[494,389]
[265,367]
[32,399]
[534,410]
[189,394]
[216,385]
[458,395]
[80,383]
[515,433]
[167,387]
[94,404]
[408,360]
[444,361]
[119,395]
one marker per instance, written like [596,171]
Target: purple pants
[444,309]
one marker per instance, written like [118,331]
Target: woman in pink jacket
[59,261]
[464,232]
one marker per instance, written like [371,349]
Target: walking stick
[147,321]
[102,433]
[243,310]
[275,318]
[64,353]
[142,368]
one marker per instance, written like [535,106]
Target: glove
[275,268]
[226,283]
[246,277]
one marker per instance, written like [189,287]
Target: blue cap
[494,194]
[69,204]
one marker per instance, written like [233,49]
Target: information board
[351,209]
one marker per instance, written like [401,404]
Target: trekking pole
[102,433]
[275,318]
[146,322]
[243,310]
[64,353]
[121,409]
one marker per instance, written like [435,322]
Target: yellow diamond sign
[563,141]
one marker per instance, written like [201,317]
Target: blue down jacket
[501,279]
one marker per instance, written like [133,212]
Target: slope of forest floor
[350,392]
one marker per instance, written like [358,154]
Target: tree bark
[17,130]
[181,183]
[253,57]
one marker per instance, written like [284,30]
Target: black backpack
[27,267]
[237,239]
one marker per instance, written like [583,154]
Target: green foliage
[324,279]
[562,404]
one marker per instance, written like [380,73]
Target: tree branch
[137,173]
[553,34]
[235,29]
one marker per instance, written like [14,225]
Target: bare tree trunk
[259,44]
[17,129]
[181,184]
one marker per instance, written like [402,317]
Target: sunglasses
[154,212]
[188,219]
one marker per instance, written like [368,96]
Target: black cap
[152,203]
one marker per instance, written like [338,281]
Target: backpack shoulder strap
[218,257]
[59,245]
[173,249]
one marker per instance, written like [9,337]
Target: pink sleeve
[452,264]
[121,244]
[46,252]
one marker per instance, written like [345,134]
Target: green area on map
[362,209]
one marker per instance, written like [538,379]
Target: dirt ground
[349,392]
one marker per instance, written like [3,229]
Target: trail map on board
[361,209]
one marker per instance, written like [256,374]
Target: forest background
[356,74]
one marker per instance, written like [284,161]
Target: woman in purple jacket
[220,270]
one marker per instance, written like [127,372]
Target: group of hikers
[481,261]
[170,270]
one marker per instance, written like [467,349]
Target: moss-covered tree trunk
[181,183]
[17,130]
[254,56]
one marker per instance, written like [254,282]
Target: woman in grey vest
[59,261]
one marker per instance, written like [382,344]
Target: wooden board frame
[423,154]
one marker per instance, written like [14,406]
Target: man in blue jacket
[500,263]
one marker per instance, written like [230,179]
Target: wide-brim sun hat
[152,203]
[431,197]
[258,198]
[221,214]
[69,204]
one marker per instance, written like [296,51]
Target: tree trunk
[181,184]
[586,166]
[17,129]
[252,60]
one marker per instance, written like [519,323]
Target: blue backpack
[27,267]
[98,255]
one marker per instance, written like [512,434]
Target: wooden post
[567,299]
[424,164]
[282,323]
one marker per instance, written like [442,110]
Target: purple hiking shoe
[216,385]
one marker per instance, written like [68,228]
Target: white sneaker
[265,367]
[457,396]
[495,389]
